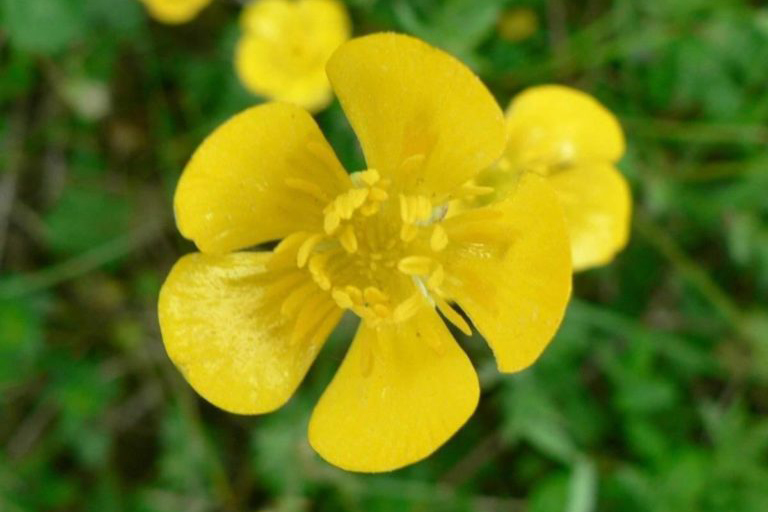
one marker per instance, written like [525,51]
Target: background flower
[571,139]
[285,45]
[175,11]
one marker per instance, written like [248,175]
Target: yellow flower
[285,46]
[568,137]
[244,326]
[175,11]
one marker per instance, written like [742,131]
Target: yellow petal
[553,125]
[516,290]
[175,11]
[285,47]
[221,321]
[597,204]
[247,182]
[422,117]
[400,393]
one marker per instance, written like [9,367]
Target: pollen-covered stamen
[371,304]
[470,190]
[376,255]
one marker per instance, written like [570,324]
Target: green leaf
[582,489]
[21,340]
[44,26]
[86,217]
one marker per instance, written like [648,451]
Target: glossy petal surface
[516,290]
[421,116]
[597,204]
[247,182]
[224,328]
[401,392]
[175,11]
[553,126]
[285,47]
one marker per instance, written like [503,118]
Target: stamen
[453,316]
[306,249]
[355,294]
[331,221]
[415,265]
[292,241]
[378,194]
[296,298]
[437,277]
[370,177]
[409,307]
[439,239]
[307,187]
[412,163]
[317,269]
[370,208]
[342,298]
[405,212]
[312,318]
[358,197]
[408,232]
[344,205]
[382,311]
[469,190]
[348,239]
[374,295]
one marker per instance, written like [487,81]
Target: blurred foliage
[653,397]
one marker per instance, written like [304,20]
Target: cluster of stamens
[376,254]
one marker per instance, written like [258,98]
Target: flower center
[378,254]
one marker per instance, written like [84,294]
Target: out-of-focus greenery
[653,397]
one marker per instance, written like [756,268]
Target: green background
[653,397]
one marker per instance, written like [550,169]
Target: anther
[406,309]
[307,187]
[342,298]
[306,249]
[415,265]
[354,293]
[331,220]
[348,239]
[439,239]
[453,316]
[408,232]
[437,277]
[412,163]
[382,311]
[378,194]
[374,295]
[369,177]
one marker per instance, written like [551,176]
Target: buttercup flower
[285,46]
[568,137]
[244,326]
[175,11]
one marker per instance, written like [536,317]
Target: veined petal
[222,325]
[174,11]
[515,290]
[401,392]
[556,125]
[247,182]
[597,204]
[422,117]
